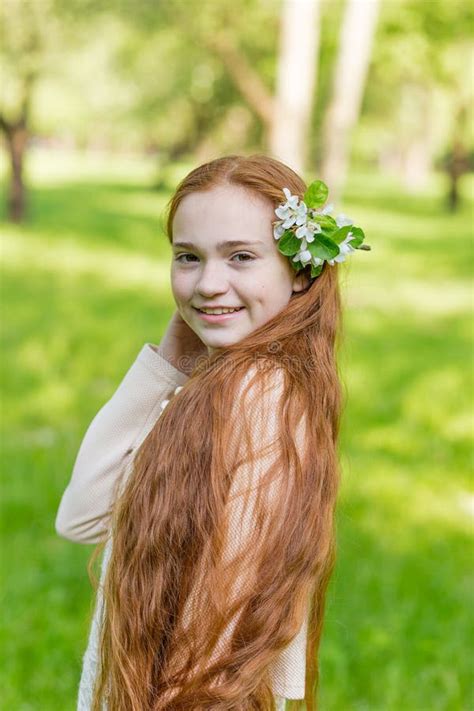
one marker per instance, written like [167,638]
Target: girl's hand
[180,346]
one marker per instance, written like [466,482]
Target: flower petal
[326,210]
[289,222]
[282,212]
[278,230]
[314,226]
[342,220]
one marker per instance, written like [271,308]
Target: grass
[85,284]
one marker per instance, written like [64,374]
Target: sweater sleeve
[105,454]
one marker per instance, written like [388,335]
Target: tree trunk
[244,76]
[458,161]
[355,44]
[16,139]
[296,79]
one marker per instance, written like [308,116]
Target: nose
[212,280]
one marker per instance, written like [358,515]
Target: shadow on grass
[397,610]
[106,214]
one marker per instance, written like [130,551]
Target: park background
[104,107]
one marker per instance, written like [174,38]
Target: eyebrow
[220,245]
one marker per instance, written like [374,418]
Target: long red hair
[170,523]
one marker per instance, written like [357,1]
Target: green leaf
[326,221]
[358,238]
[341,234]
[289,244]
[316,194]
[323,247]
[316,270]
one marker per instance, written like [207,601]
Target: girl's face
[225,255]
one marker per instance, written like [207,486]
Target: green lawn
[85,285]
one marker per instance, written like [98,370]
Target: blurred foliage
[85,284]
[147,74]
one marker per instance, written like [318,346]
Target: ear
[301,282]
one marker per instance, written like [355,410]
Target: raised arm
[105,454]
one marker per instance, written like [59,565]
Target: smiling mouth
[218,318]
[213,313]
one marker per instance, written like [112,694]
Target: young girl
[211,475]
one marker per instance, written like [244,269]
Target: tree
[418,101]
[285,115]
[297,64]
[357,32]
[22,42]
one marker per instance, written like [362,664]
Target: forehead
[224,211]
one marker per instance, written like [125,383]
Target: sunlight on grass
[444,297]
[116,268]
[85,284]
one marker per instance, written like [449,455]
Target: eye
[179,257]
[244,254]
[246,257]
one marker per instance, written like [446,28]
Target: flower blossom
[324,210]
[308,230]
[304,256]
[342,220]
[292,212]
[344,249]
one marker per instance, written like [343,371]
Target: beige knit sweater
[100,470]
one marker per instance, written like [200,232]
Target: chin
[214,344]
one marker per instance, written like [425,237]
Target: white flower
[278,230]
[308,231]
[342,220]
[291,212]
[344,249]
[283,211]
[326,210]
[301,211]
[163,404]
[292,200]
[302,256]
[180,387]
[316,261]
[289,221]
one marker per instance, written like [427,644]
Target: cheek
[180,285]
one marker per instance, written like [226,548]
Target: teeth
[218,311]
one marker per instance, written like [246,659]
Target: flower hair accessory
[307,232]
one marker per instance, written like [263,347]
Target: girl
[211,475]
